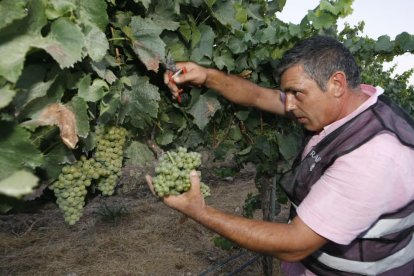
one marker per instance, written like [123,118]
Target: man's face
[305,100]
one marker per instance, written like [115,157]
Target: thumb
[148,178]
[188,77]
[195,180]
[179,79]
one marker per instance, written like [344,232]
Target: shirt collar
[372,92]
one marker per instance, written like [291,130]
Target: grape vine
[76,65]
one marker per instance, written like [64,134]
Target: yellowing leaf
[61,116]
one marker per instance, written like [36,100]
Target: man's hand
[189,203]
[195,75]
[290,242]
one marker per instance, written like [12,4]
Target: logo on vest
[316,158]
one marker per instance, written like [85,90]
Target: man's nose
[290,103]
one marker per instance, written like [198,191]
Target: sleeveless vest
[387,247]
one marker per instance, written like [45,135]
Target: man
[352,188]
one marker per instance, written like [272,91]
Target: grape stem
[172,160]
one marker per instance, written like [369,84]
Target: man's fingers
[171,85]
[166,79]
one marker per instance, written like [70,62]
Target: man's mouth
[301,120]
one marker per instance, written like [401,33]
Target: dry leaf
[61,116]
[153,64]
[246,74]
[210,109]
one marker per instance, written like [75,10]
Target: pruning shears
[170,65]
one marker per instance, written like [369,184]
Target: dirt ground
[126,235]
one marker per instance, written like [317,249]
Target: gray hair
[322,56]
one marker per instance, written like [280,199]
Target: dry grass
[148,240]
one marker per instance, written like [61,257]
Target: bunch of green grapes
[70,190]
[104,168]
[109,153]
[173,173]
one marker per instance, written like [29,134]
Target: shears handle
[172,75]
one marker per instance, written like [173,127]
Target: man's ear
[338,83]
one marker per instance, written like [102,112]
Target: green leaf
[80,109]
[18,184]
[94,12]
[177,48]
[16,150]
[64,43]
[224,243]
[94,92]
[185,30]
[260,54]
[276,6]
[140,103]
[288,145]
[165,23]
[37,100]
[96,43]
[11,10]
[205,46]
[193,138]
[168,8]
[255,11]
[277,53]
[225,12]
[146,41]
[235,134]
[83,89]
[110,104]
[204,108]
[225,150]
[55,158]
[384,44]
[338,8]
[59,8]
[327,6]
[268,35]
[101,68]
[263,145]
[176,119]
[195,35]
[294,30]
[32,85]
[138,154]
[241,13]
[323,20]
[242,115]
[405,41]
[224,59]
[6,95]
[165,138]
[245,151]
[237,45]
[16,44]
